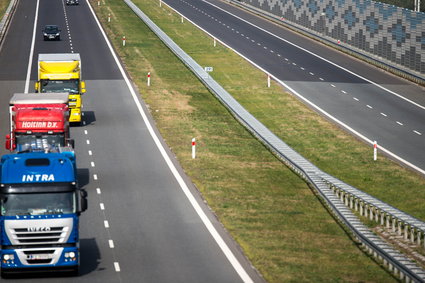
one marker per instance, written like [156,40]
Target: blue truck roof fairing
[37,167]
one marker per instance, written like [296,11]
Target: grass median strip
[275,217]
[3,6]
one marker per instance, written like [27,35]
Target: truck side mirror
[37,84]
[83,87]
[83,200]
[70,142]
[8,142]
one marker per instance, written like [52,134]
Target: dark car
[51,32]
[72,2]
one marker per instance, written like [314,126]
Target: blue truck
[40,205]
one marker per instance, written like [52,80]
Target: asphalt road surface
[369,102]
[146,221]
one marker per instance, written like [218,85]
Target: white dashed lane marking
[117,267]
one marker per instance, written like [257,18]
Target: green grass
[278,221]
[3,6]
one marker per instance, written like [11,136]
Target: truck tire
[75,272]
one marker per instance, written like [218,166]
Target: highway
[368,102]
[146,222]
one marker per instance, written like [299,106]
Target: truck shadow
[83,175]
[89,117]
[90,256]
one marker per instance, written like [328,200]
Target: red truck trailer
[38,122]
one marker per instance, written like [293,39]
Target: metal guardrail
[4,23]
[338,196]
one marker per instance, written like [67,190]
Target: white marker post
[215,42]
[160,3]
[149,79]
[182,19]
[123,41]
[375,150]
[109,17]
[193,148]
[268,80]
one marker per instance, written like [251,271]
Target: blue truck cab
[40,205]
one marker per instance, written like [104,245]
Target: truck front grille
[53,236]
[39,231]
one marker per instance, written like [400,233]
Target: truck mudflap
[39,259]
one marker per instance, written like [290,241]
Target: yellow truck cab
[61,72]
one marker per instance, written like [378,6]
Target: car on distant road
[72,2]
[51,32]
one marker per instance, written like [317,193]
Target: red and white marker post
[193,148]
[123,40]
[375,150]
[109,17]
[149,79]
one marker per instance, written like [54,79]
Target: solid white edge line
[219,240]
[369,141]
[321,58]
[27,80]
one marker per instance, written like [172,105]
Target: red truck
[38,122]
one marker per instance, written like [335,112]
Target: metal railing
[338,196]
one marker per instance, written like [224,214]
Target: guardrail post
[412,234]
[371,212]
[382,218]
[401,275]
[419,237]
[400,231]
[356,204]
[351,201]
[394,222]
[366,208]
[387,218]
[406,231]
[361,208]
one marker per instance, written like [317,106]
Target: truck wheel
[75,271]
[4,275]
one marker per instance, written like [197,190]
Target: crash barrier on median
[4,23]
[332,191]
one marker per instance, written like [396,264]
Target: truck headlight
[70,255]
[8,257]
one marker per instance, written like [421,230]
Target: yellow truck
[61,72]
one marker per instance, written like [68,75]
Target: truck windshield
[38,204]
[70,86]
[31,141]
